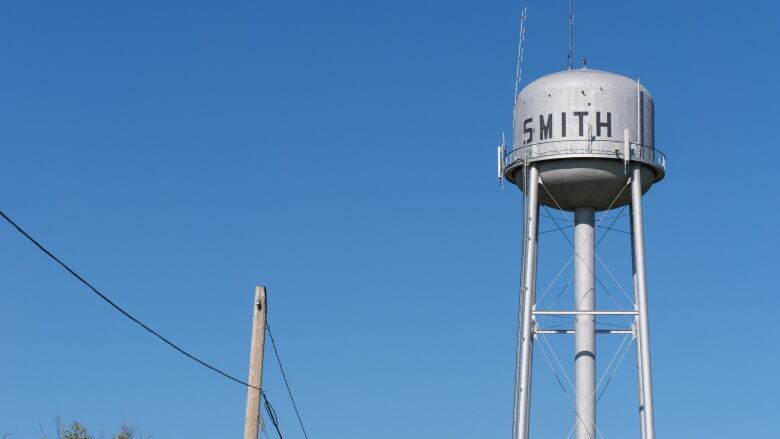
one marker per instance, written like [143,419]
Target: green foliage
[127,432]
[77,431]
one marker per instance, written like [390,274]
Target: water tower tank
[577,127]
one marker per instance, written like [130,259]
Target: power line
[271,414]
[125,313]
[268,407]
[286,383]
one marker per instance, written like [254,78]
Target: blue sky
[342,153]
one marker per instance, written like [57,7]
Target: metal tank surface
[581,128]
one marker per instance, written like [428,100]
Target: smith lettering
[581,115]
[528,130]
[548,122]
[545,129]
[607,124]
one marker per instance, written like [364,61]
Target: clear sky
[343,153]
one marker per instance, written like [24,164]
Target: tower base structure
[584,311]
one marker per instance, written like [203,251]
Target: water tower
[583,143]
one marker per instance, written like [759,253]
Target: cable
[569,397]
[271,414]
[118,308]
[598,280]
[617,230]
[614,371]
[268,407]
[555,230]
[614,219]
[555,279]
[286,383]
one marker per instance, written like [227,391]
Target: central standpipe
[585,325]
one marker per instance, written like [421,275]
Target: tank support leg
[643,331]
[636,337]
[528,297]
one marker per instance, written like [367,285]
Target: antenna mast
[571,31]
[520,49]
[518,76]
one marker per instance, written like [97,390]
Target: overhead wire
[167,341]
[122,310]
[271,414]
[286,382]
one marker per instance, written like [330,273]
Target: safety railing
[584,148]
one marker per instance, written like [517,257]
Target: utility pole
[255,381]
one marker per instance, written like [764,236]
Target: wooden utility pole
[253,394]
